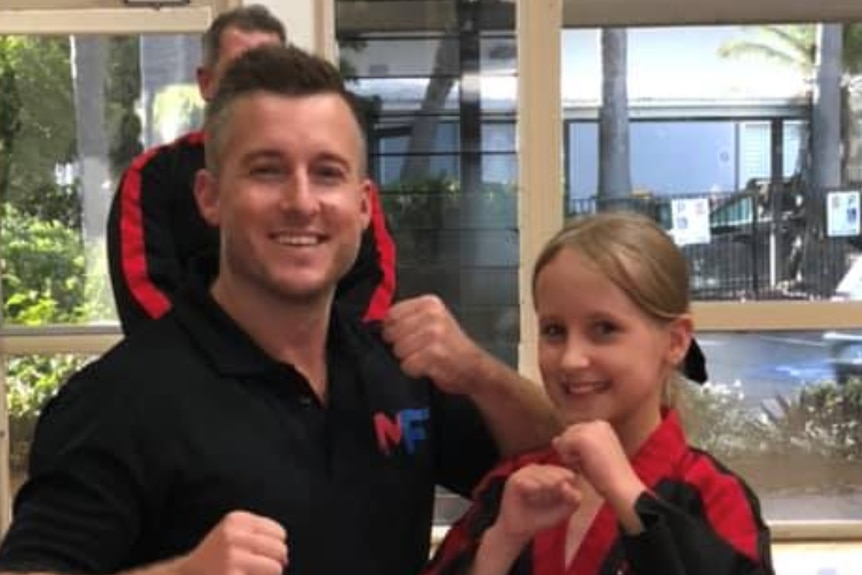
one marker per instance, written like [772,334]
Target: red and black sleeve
[148,239]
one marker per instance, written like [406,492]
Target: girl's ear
[207,197]
[680,332]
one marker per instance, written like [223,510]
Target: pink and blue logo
[407,429]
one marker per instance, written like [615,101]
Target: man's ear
[207,197]
[680,331]
[204,77]
[370,201]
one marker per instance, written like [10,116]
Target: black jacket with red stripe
[154,230]
[699,519]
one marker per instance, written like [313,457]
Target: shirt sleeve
[142,251]
[676,542]
[458,549]
[366,292]
[81,508]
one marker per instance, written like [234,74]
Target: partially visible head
[277,70]
[612,298]
[230,34]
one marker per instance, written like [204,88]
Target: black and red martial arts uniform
[699,519]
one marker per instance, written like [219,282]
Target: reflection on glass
[784,410]
[723,119]
[438,84]
[74,112]
[30,381]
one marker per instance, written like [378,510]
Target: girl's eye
[604,328]
[552,331]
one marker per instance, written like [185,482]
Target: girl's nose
[575,355]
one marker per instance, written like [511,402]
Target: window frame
[55,17]
[545,210]
[540,139]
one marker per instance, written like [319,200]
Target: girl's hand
[536,497]
[594,450]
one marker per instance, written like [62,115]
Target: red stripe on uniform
[132,244]
[381,299]
[730,510]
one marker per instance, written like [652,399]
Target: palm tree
[789,45]
[827,54]
[615,182]
[798,46]
[423,131]
[90,64]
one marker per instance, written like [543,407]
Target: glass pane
[74,112]
[439,83]
[30,381]
[783,410]
[715,132]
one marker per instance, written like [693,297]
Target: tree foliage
[43,251]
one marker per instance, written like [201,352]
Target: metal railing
[763,244]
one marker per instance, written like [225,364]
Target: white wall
[300,17]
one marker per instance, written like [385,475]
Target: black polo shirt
[144,450]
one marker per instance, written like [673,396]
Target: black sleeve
[143,262]
[464,447]
[82,506]
[366,292]
[457,552]
[677,543]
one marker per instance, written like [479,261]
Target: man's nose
[298,194]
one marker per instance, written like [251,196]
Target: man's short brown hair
[273,69]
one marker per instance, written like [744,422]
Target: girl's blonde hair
[636,255]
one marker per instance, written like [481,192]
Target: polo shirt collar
[228,348]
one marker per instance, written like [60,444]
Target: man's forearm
[517,410]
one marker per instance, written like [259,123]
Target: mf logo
[408,429]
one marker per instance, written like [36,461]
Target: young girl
[619,492]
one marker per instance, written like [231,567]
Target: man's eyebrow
[333,157]
[263,154]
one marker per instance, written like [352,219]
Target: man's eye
[330,173]
[265,170]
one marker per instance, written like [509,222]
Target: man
[154,228]
[256,417]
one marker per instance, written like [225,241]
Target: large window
[742,142]
[439,89]
[76,111]
[83,91]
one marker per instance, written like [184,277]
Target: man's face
[233,43]
[290,198]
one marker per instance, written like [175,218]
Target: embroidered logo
[408,429]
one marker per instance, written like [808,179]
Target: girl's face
[600,355]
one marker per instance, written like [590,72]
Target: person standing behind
[154,228]
[619,491]
[256,425]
